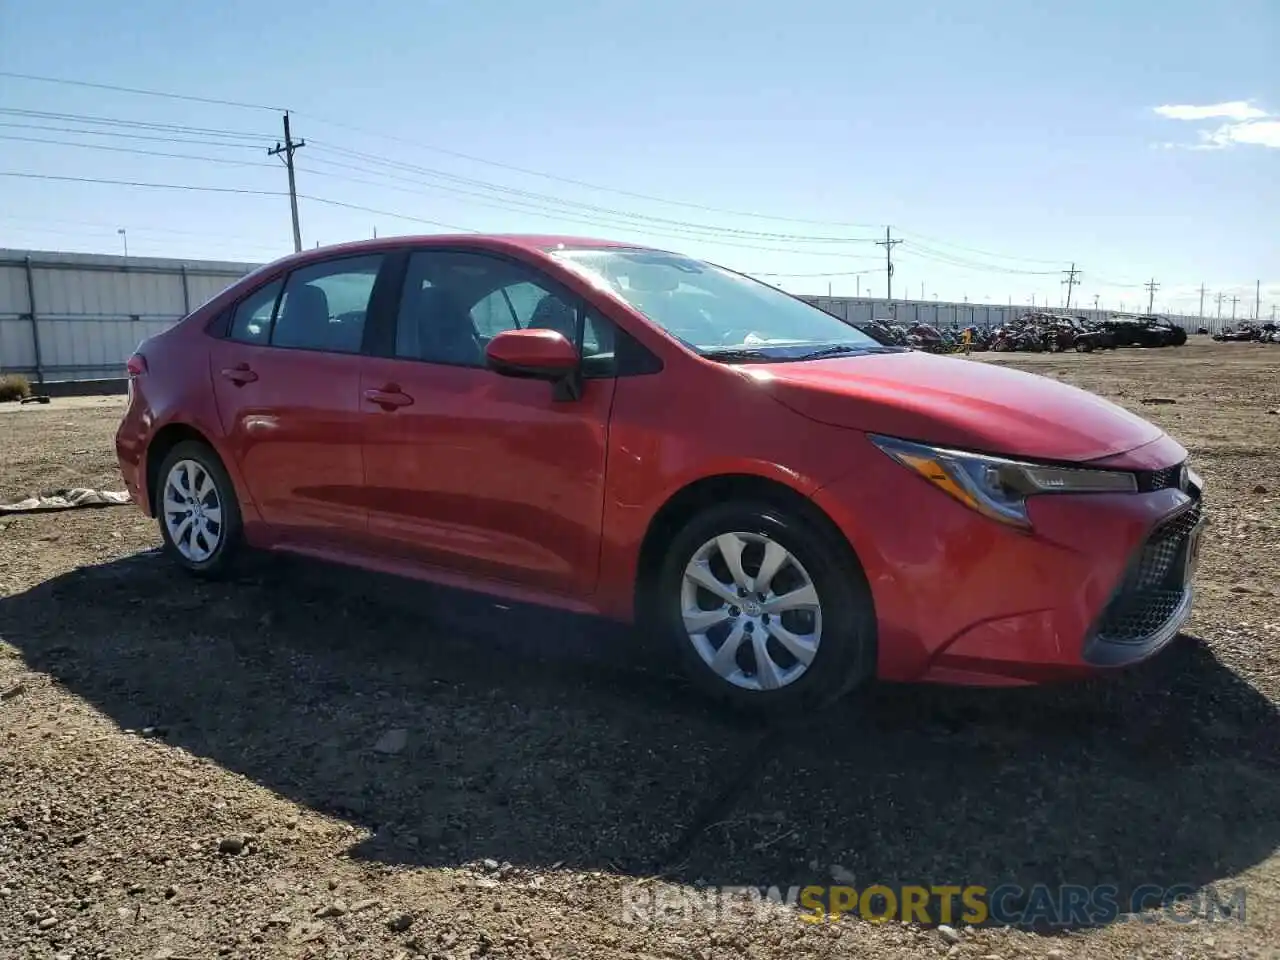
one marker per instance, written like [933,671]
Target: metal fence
[78,316]
[71,316]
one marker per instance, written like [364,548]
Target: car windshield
[716,312]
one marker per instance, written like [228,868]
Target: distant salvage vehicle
[1146,330]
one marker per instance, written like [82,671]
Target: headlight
[996,487]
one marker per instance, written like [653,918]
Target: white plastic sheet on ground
[77,498]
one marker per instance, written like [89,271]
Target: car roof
[497,242]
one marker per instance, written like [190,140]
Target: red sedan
[636,434]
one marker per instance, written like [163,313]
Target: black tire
[846,653]
[231,530]
[1084,346]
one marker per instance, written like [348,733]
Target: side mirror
[535,354]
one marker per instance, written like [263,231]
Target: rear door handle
[240,374]
[389,397]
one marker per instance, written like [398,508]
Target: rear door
[287,382]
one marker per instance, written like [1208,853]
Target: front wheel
[770,613]
[197,509]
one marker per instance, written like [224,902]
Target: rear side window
[324,305]
[251,323]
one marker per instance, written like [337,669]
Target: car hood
[956,402]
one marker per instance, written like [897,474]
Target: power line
[560,201]
[939,256]
[140,183]
[88,227]
[203,189]
[985,253]
[575,182]
[146,153]
[815,276]
[134,124]
[137,90]
[8,124]
[501,165]
[384,213]
[709,234]
[169,95]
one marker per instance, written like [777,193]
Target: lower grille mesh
[1153,590]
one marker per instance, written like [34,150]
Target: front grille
[1162,479]
[1154,588]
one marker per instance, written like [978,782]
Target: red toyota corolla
[636,434]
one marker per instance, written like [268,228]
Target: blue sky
[1001,140]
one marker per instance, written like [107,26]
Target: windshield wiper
[844,349]
[741,355]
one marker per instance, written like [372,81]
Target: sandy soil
[310,762]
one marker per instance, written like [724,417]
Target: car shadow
[546,740]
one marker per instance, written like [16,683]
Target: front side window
[715,312]
[510,307]
[324,305]
[251,322]
[454,303]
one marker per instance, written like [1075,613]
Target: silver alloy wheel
[192,510]
[751,611]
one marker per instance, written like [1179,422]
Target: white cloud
[1263,133]
[1247,125]
[1258,133]
[1237,110]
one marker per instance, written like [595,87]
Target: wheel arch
[165,439]
[704,492]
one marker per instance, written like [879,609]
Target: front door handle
[240,374]
[388,397]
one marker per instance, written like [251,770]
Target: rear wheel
[197,509]
[770,613]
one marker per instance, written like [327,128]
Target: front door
[287,382]
[471,471]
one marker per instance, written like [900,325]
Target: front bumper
[1104,580]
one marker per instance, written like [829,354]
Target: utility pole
[1220,298]
[1234,301]
[1096,298]
[1152,287]
[1202,301]
[1257,299]
[888,243]
[287,150]
[1072,276]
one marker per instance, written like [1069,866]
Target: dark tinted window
[251,322]
[454,303]
[324,305]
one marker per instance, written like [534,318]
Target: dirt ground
[310,762]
